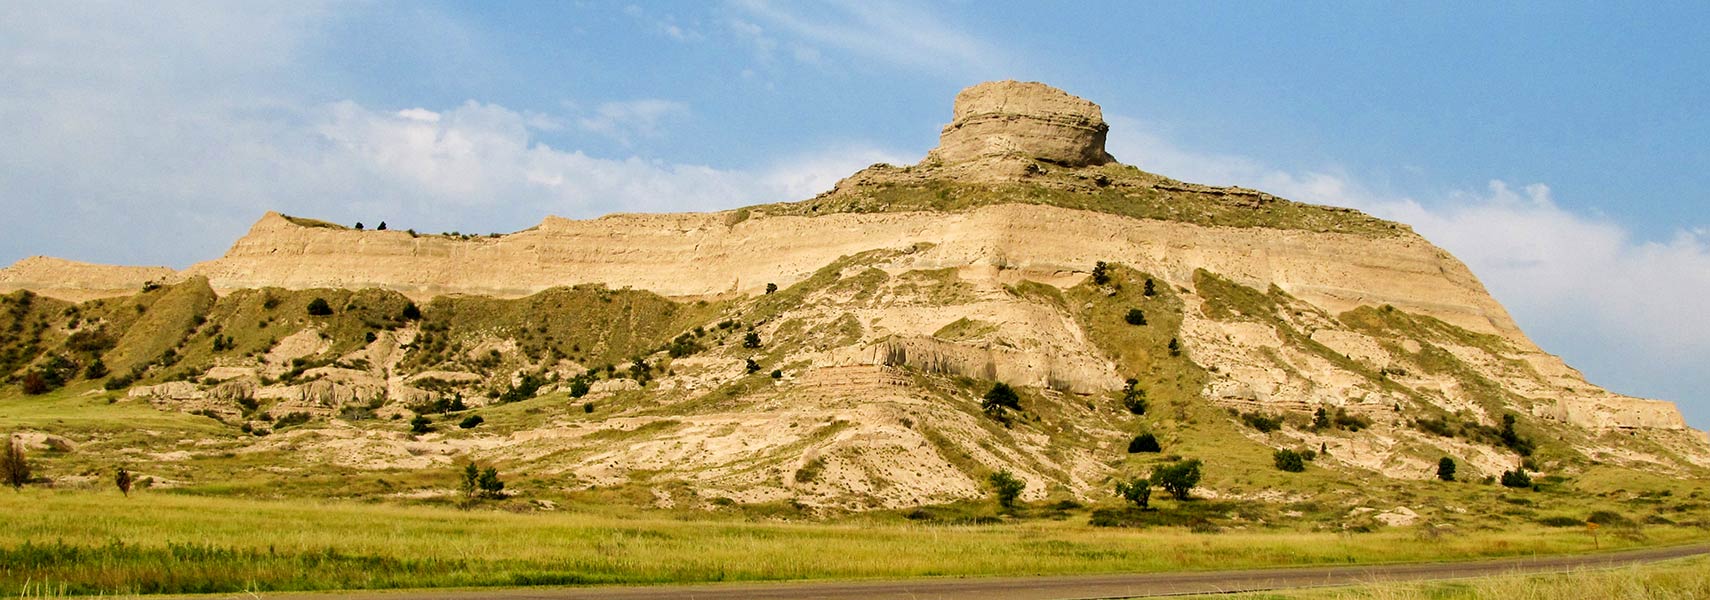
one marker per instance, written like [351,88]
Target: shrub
[1516,479]
[1144,442]
[1560,521]
[1320,419]
[1135,316]
[1262,422]
[1134,398]
[1138,491]
[750,366]
[471,422]
[771,288]
[1349,422]
[1175,347]
[588,407]
[119,383]
[14,465]
[123,480]
[421,424]
[1100,273]
[1150,289]
[777,373]
[1007,488]
[1001,396]
[382,226]
[411,312]
[523,390]
[1178,478]
[319,307]
[1609,518]
[34,384]
[578,387]
[1446,469]
[752,340]
[1289,460]
[1512,439]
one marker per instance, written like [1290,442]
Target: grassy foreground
[61,542]
[1677,579]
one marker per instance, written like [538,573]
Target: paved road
[1063,587]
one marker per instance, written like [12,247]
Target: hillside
[832,354]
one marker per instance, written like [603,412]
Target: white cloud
[899,33]
[1625,310]
[622,121]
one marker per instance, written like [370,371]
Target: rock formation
[894,291]
[1025,120]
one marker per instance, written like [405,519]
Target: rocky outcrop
[1028,120]
[79,281]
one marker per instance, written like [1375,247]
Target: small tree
[95,370]
[1516,478]
[411,312]
[1320,419]
[469,484]
[1144,442]
[1134,398]
[421,424]
[1007,487]
[752,340]
[1135,316]
[123,480]
[382,226]
[1289,460]
[359,226]
[319,307]
[1100,273]
[578,387]
[14,465]
[1175,347]
[34,384]
[1001,396]
[1138,491]
[472,421]
[1446,469]
[751,366]
[491,486]
[1177,478]
[1150,290]
[771,288]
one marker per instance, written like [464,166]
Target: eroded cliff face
[979,269]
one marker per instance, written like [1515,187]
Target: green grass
[1130,192]
[99,542]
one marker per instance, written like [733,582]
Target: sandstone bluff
[896,288]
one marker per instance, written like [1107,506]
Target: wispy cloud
[903,34]
[1621,308]
[623,121]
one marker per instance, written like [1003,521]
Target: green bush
[751,340]
[1100,273]
[1516,479]
[1178,478]
[1007,488]
[1262,422]
[1000,397]
[421,424]
[319,307]
[1137,491]
[1134,398]
[1446,469]
[1135,316]
[1144,442]
[1289,460]
[471,422]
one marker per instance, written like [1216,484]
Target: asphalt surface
[1137,585]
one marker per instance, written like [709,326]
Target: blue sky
[1558,148]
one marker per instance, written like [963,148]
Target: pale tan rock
[1025,120]
[79,281]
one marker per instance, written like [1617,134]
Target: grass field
[85,542]
[1672,580]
